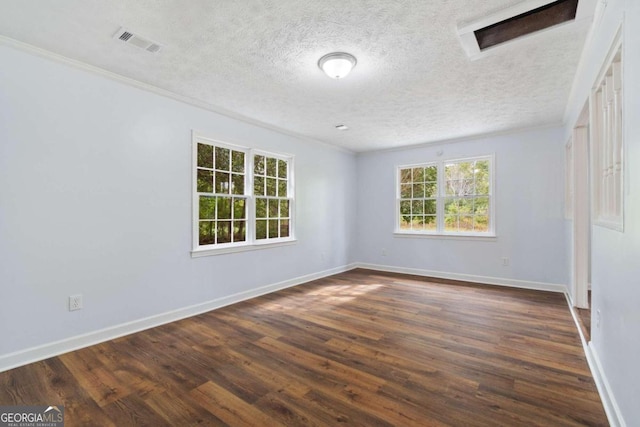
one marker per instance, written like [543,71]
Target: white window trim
[234,248]
[449,236]
[250,243]
[440,233]
[606,212]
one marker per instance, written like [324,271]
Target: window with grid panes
[222,203]
[451,197]
[608,142]
[271,191]
[243,197]
[418,198]
[466,203]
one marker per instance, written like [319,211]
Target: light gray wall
[95,199]
[529,211]
[616,255]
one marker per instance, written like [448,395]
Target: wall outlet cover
[75,302]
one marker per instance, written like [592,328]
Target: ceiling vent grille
[136,40]
[125,36]
[522,20]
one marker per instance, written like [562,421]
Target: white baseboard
[609,403]
[45,351]
[35,354]
[514,283]
[606,394]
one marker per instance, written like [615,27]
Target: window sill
[198,253]
[615,225]
[474,237]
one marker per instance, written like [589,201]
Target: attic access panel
[526,23]
[526,19]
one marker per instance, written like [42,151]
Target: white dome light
[337,65]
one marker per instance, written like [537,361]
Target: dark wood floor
[360,348]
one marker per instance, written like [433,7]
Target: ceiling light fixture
[337,64]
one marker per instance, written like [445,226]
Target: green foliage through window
[271,183]
[222,204]
[418,197]
[225,188]
[464,199]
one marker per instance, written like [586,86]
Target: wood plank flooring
[360,348]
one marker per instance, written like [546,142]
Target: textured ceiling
[258,59]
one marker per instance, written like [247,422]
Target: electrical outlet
[75,302]
[598,318]
[384,252]
[505,261]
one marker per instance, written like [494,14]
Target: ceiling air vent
[137,41]
[516,22]
[125,36]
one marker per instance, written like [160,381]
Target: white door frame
[581,211]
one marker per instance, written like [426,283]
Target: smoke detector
[136,40]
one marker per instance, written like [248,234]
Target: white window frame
[440,231]
[607,137]
[290,196]
[250,243]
